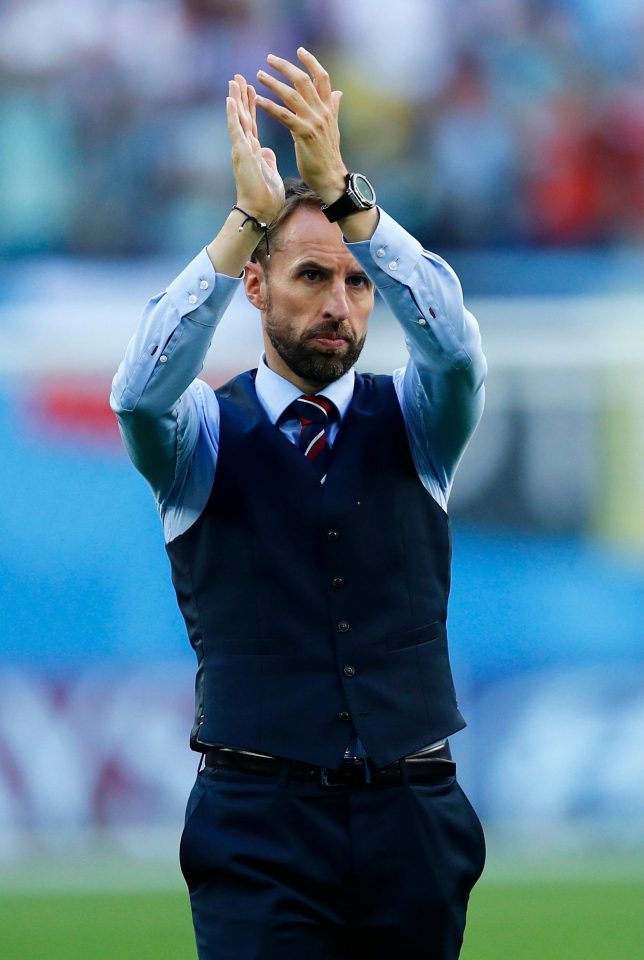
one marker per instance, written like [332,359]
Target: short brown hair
[296,194]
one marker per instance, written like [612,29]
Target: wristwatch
[359,195]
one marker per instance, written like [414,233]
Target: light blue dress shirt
[169,418]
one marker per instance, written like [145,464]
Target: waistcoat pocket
[411,638]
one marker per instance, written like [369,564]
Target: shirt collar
[275,393]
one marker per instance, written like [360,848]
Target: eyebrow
[315,265]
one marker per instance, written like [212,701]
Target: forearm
[155,394]
[425,296]
[442,393]
[168,349]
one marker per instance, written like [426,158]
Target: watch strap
[345,205]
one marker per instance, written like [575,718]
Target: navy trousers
[298,871]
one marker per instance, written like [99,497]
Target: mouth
[331,341]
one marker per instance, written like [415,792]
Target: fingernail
[271,56]
[303,49]
[261,73]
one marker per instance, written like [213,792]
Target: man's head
[314,297]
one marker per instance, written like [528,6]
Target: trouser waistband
[416,768]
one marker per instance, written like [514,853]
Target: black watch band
[359,195]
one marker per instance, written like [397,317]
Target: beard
[306,359]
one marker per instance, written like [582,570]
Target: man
[304,513]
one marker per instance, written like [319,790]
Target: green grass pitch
[541,921]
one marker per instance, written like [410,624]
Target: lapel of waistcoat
[275,450]
[347,463]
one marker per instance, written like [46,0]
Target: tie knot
[314,409]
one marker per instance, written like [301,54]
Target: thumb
[336,96]
[269,157]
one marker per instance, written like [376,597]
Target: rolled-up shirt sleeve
[156,395]
[441,388]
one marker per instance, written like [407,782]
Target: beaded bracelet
[258,223]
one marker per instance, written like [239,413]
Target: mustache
[334,329]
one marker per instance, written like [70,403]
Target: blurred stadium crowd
[491,123]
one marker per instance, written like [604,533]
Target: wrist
[246,215]
[358,196]
[249,219]
[333,188]
[244,209]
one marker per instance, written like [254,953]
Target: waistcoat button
[349,671]
[344,715]
[343,626]
[337,582]
[333,535]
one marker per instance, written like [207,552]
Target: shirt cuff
[391,254]
[195,285]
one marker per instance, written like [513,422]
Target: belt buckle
[328,773]
[324,777]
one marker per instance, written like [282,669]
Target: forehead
[308,235]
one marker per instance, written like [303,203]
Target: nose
[337,305]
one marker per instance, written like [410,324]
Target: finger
[235,132]
[336,96]
[243,89]
[300,80]
[252,95]
[320,76]
[284,116]
[291,97]
[242,113]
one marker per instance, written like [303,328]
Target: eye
[358,280]
[311,275]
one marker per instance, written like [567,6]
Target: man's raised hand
[260,190]
[310,112]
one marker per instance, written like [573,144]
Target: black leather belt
[351,773]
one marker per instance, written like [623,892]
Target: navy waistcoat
[311,606]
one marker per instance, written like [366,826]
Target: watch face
[364,189]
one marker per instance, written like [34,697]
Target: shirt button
[192,298]
[344,715]
[380,252]
[337,582]
[163,358]
[343,626]
[349,671]
[332,535]
[204,284]
[421,321]
[393,265]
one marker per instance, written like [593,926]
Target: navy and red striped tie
[315,413]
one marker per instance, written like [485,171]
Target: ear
[255,284]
